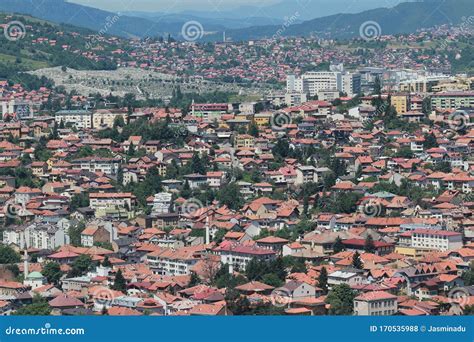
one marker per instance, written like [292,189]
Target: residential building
[375,303]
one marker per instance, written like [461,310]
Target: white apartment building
[294,84]
[104,201]
[441,240]
[36,235]
[238,256]
[162,203]
[348,277]
[169,261]
[23,109]
[318,82]
[315,81]
[109,166]
[78,118]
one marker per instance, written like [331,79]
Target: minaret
[207,230]
[25,263]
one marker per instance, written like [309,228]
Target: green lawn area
[27,63]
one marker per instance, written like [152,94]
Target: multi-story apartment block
[436,239]
[238,256]
[169,261]
[105,118]
[313,82]
[401,102]
[351,83]
[209,111]
[81,119]
[244,140]
[306,174]
[37,235]
[103,201]
[109,166]
[453,100]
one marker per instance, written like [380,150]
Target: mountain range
[405,17]
[130,24]
[261,12]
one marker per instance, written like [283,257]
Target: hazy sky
[308,9]
[172,5]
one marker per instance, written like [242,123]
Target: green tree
[377,86]
[430,141]
[81,265]
[119,121]
[52,272]
[404,152]
[106,262]
[120,284]
[8,255]
[272,280]
[468,277]
[131,150]
[341,300]
[80,200]
[223,279]
[230,196]
[253,130]
[195,280]
[39,307]
[356,261]
[75,231]
[338,245]
[426,106]
[323,280]
[236,303]
[129,102]
[369,245]
[281,149]
[198,165]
